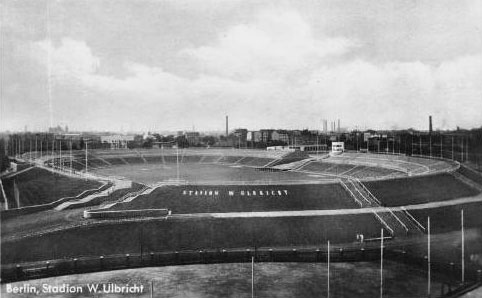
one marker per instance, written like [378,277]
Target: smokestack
[227,125]
[338,125]
[430,124]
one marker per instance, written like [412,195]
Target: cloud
[276,43]
[71,59]
[402,94]
[273,72]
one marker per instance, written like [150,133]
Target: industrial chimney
[430,124]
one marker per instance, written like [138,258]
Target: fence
[81,265]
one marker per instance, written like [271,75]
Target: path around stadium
[431,205]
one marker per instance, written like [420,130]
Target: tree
[4,161]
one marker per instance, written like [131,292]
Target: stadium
[110,214]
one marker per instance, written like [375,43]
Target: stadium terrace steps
[104,160]
[123,160]
[40,186]
[127,197]
[396,222]
[471,174]
[205,159]
[292,166]
[142,157]
[69,204]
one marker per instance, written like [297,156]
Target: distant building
[337,147]
[117,141]
[254,136]
[241,135]
[266,135]
[281,136]
[193,137]
[305,148]
[58,129]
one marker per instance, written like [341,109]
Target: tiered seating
[210,158]
[133,159]
[440,166]
[77,165]
[373,172]
[338,169]
[190,159]
[96,163]
[172,158]
[39,186]
[317,166]
[246,160]
[257,162]
[154,159]
[230,159]
[115,161]
[419,190]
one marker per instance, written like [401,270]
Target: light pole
[60,155]
[71,155]
[36,145]
[86,159]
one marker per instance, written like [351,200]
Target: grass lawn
[169,235]
[270,280]
[418,190]
[38,186]
[192,198]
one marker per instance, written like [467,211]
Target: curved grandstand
[163,207]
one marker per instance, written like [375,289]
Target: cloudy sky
[171,65]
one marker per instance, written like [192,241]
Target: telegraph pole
[428,258]
[430,145]
[36,146]
[452,147]
[381,265]
[86,160]
[328,269]
[252,277]
[441,146]
[71,155]
[60,155]
[420,141]
[462,151]
[463,244]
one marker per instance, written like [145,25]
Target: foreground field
[270,280]
[188,234]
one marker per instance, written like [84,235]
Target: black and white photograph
[241,148]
